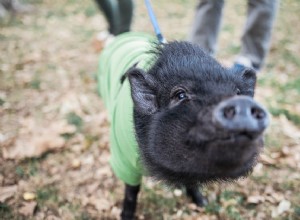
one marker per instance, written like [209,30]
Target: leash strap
[154,22]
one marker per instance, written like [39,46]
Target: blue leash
[154,22]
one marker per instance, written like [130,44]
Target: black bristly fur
[179,141]
[163,130]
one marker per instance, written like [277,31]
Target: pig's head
[195,120]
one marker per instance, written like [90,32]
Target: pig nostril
[229,112]
[257,113]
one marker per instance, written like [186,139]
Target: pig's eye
[180,95]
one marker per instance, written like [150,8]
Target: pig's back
[125,51]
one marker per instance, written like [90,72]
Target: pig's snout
[241,115]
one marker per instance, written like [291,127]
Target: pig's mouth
[242,146]
[237,155]
[242,136]
[230,155]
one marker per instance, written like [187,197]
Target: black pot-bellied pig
[177,115]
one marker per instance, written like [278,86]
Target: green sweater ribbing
[125,51]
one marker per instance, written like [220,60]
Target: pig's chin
[221,160]
[236,156]
[231,170]
[197,179]
[215,174]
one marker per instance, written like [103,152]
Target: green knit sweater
[125,51]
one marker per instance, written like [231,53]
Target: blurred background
[54,147]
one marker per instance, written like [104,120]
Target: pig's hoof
[201,202]
[196,197]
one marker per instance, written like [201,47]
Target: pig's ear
[142,91]
[249,75]
[247,81]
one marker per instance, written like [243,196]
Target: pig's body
[179,115]
[125,51]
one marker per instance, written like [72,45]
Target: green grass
[295,118]
[285,94]
[297,212]
[213,207]
[35,83]
[91,10]
[289,185]
[84,216]
[228,28]
[228,195]
[28,167]
[74,119]
[261,179]
[154,202]
[47,194]
[6,212]
[233,48]
[2,101]
[293,85]
[233,213]
[291,57]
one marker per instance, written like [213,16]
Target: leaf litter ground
[54,129]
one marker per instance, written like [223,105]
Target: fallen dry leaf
[265,159]
[92,188]
[115,211]
[258,169]
[104,171]
[52,217]
[255,199]
[277,196]
[7,192]
[29,196]
[286,151]
[99,204]
[76,164]
[230,202]
[289,129]
[28,208]
[34,141]
[270,199]
[283,206]
[34,147]
[177,192]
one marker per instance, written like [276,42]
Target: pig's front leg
[196,196]
[130,201]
